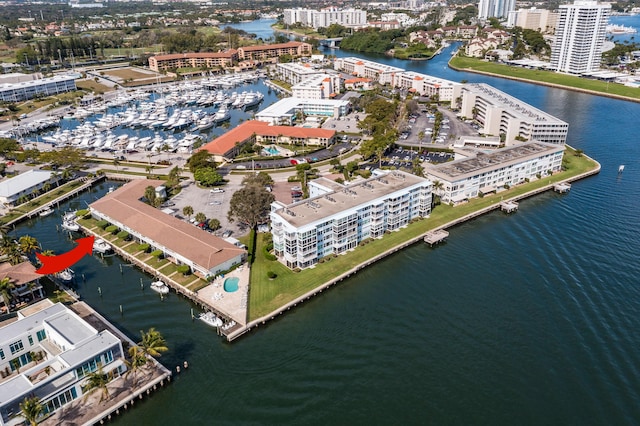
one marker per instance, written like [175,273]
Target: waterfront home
[336,218]
[23,90]
[482,173]
[228,145]
[48,353]
[193,60]
[26,284]
[271,52]
[23,185]
[179,241]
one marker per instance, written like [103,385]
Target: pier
[435,237]
[509,207]
[562,187]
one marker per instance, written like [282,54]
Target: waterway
[532,318]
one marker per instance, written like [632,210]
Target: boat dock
[509,207]
[562,187]
[436,236]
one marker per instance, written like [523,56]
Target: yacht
[46,212]
[101,246]
[159,287]
[221,115]
[70,225]
[66,276]
[211,319]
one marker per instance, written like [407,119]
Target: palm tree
[96,380]
[201,217]
[187,211]
[137,361]
[28,244]
[46,187]
[213,224]
[152,343]
[5,290]
[116,163]
[66,174]
[31,409]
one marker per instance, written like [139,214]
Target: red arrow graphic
[53,264]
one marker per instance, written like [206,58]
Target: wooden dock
[562,187]
[509,206]
[436,236]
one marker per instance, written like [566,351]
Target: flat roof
[39,82]
[314,81]
[70,327]
[89,348]
[261,47]
[515,106]
[471,166]
[202,248]
[428,78]
[23,182]
[289,105]
[300,68]
[370,64]
[311,210]
[10,331]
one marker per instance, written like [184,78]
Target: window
[16,347]
[30,340]
[41,335]
[1,354]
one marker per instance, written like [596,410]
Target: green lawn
[267,295]
[473,64]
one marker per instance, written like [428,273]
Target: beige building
[534,19]
[193,60]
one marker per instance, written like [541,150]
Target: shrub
[112,229]
[268,255]
[297,270]
[184,269]
[123,235]
[271,275]
[144,247]
[157,253]
[103,224]
[82,213]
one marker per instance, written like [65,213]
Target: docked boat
[101,246]
[46,212]
[66,275]
[222,115]
[159,287]
[70,225]
[211,319]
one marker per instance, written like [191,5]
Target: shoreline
[544,83]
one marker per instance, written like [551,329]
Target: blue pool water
[272,151]
[231,284]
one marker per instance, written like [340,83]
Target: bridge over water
[331,42]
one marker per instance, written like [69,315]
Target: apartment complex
[66,349]
[271,52]
[426,85]
[193,60]
[183,243]
[354,18]
[502,114]
[24,185]
[322,86]
[534,19]
[229,144]
[286,111]
[495,8]
[338,217]
[580,34]
[485,173]
[23,90]
[295,72]
[381,73]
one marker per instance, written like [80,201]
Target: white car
[216,190]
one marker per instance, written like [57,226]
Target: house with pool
[179,241]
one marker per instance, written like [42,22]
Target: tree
[579,153]
[31,409]
[259,179]
[251,205]
[201,217]
[136,361]
[150,194]
[207,176]
[28,244]
[213,224]
[199,160]
[96,380]
[5,290]
[187,211]
[152,343]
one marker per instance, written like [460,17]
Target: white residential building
[381,73]
[484,173]
[502,114]
[24,184]
[322,86]
[426,85]
[580,34]
[284,111]
[295,72]
[338,217]
[70,349]
[495,8]
[14,92]
[354,18]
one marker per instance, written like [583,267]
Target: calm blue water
[628,21]
[532,318]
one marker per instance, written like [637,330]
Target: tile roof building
[179,241]
[193,60]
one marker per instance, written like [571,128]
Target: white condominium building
[495,8]
[502,114]
[323,18]
[381,73]
[579,37]
[284,112]
[21,91]
[484,173]
[323,86]
[47,353]
[338,217]
[427,85]
[295,72]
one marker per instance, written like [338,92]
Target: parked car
[216,190]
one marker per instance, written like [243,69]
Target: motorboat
[46,212]
[70,225]
[159,287]
[221,115]
[66,275]
[101,246]
[211,319]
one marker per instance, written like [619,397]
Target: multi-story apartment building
[193,60]
[381,73]
[323,18]
[323,86]
[23,90]
[580,34]
[484,173]
[67,350]
[495,8]
[295,72]
[510,118]
[534,19]
[426,85]
[336,217]
[285,111]
[24,185]
[271,52]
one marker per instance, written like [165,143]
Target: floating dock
[509,206]
[436,237]
[562,187]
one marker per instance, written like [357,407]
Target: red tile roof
[225,143]
[272,46]
[227,54]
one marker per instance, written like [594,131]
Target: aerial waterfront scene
[523,317]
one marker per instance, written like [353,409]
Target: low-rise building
[426,85]
[193,60]
[48,353]
[183,243]
[296,72]
[229,144]
[338,217]
[287,110]
[482,173]
[48,86]
[380,73]
[26,285]
[271,52]
[23,185]
[502,114]
[358,83]
[322,86]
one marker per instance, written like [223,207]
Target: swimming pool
[271,150]
[231,284]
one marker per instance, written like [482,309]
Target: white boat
[159,287]
[46,212]
[69,216]
[101,246]
[620,169]
[66,276]
[211,319]
[221,115]
[70,225]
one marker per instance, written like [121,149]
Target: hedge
[112,229]
[103,224]
[123,235]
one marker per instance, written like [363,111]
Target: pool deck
[233,304]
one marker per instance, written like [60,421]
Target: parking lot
[451,129]
[403,158]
